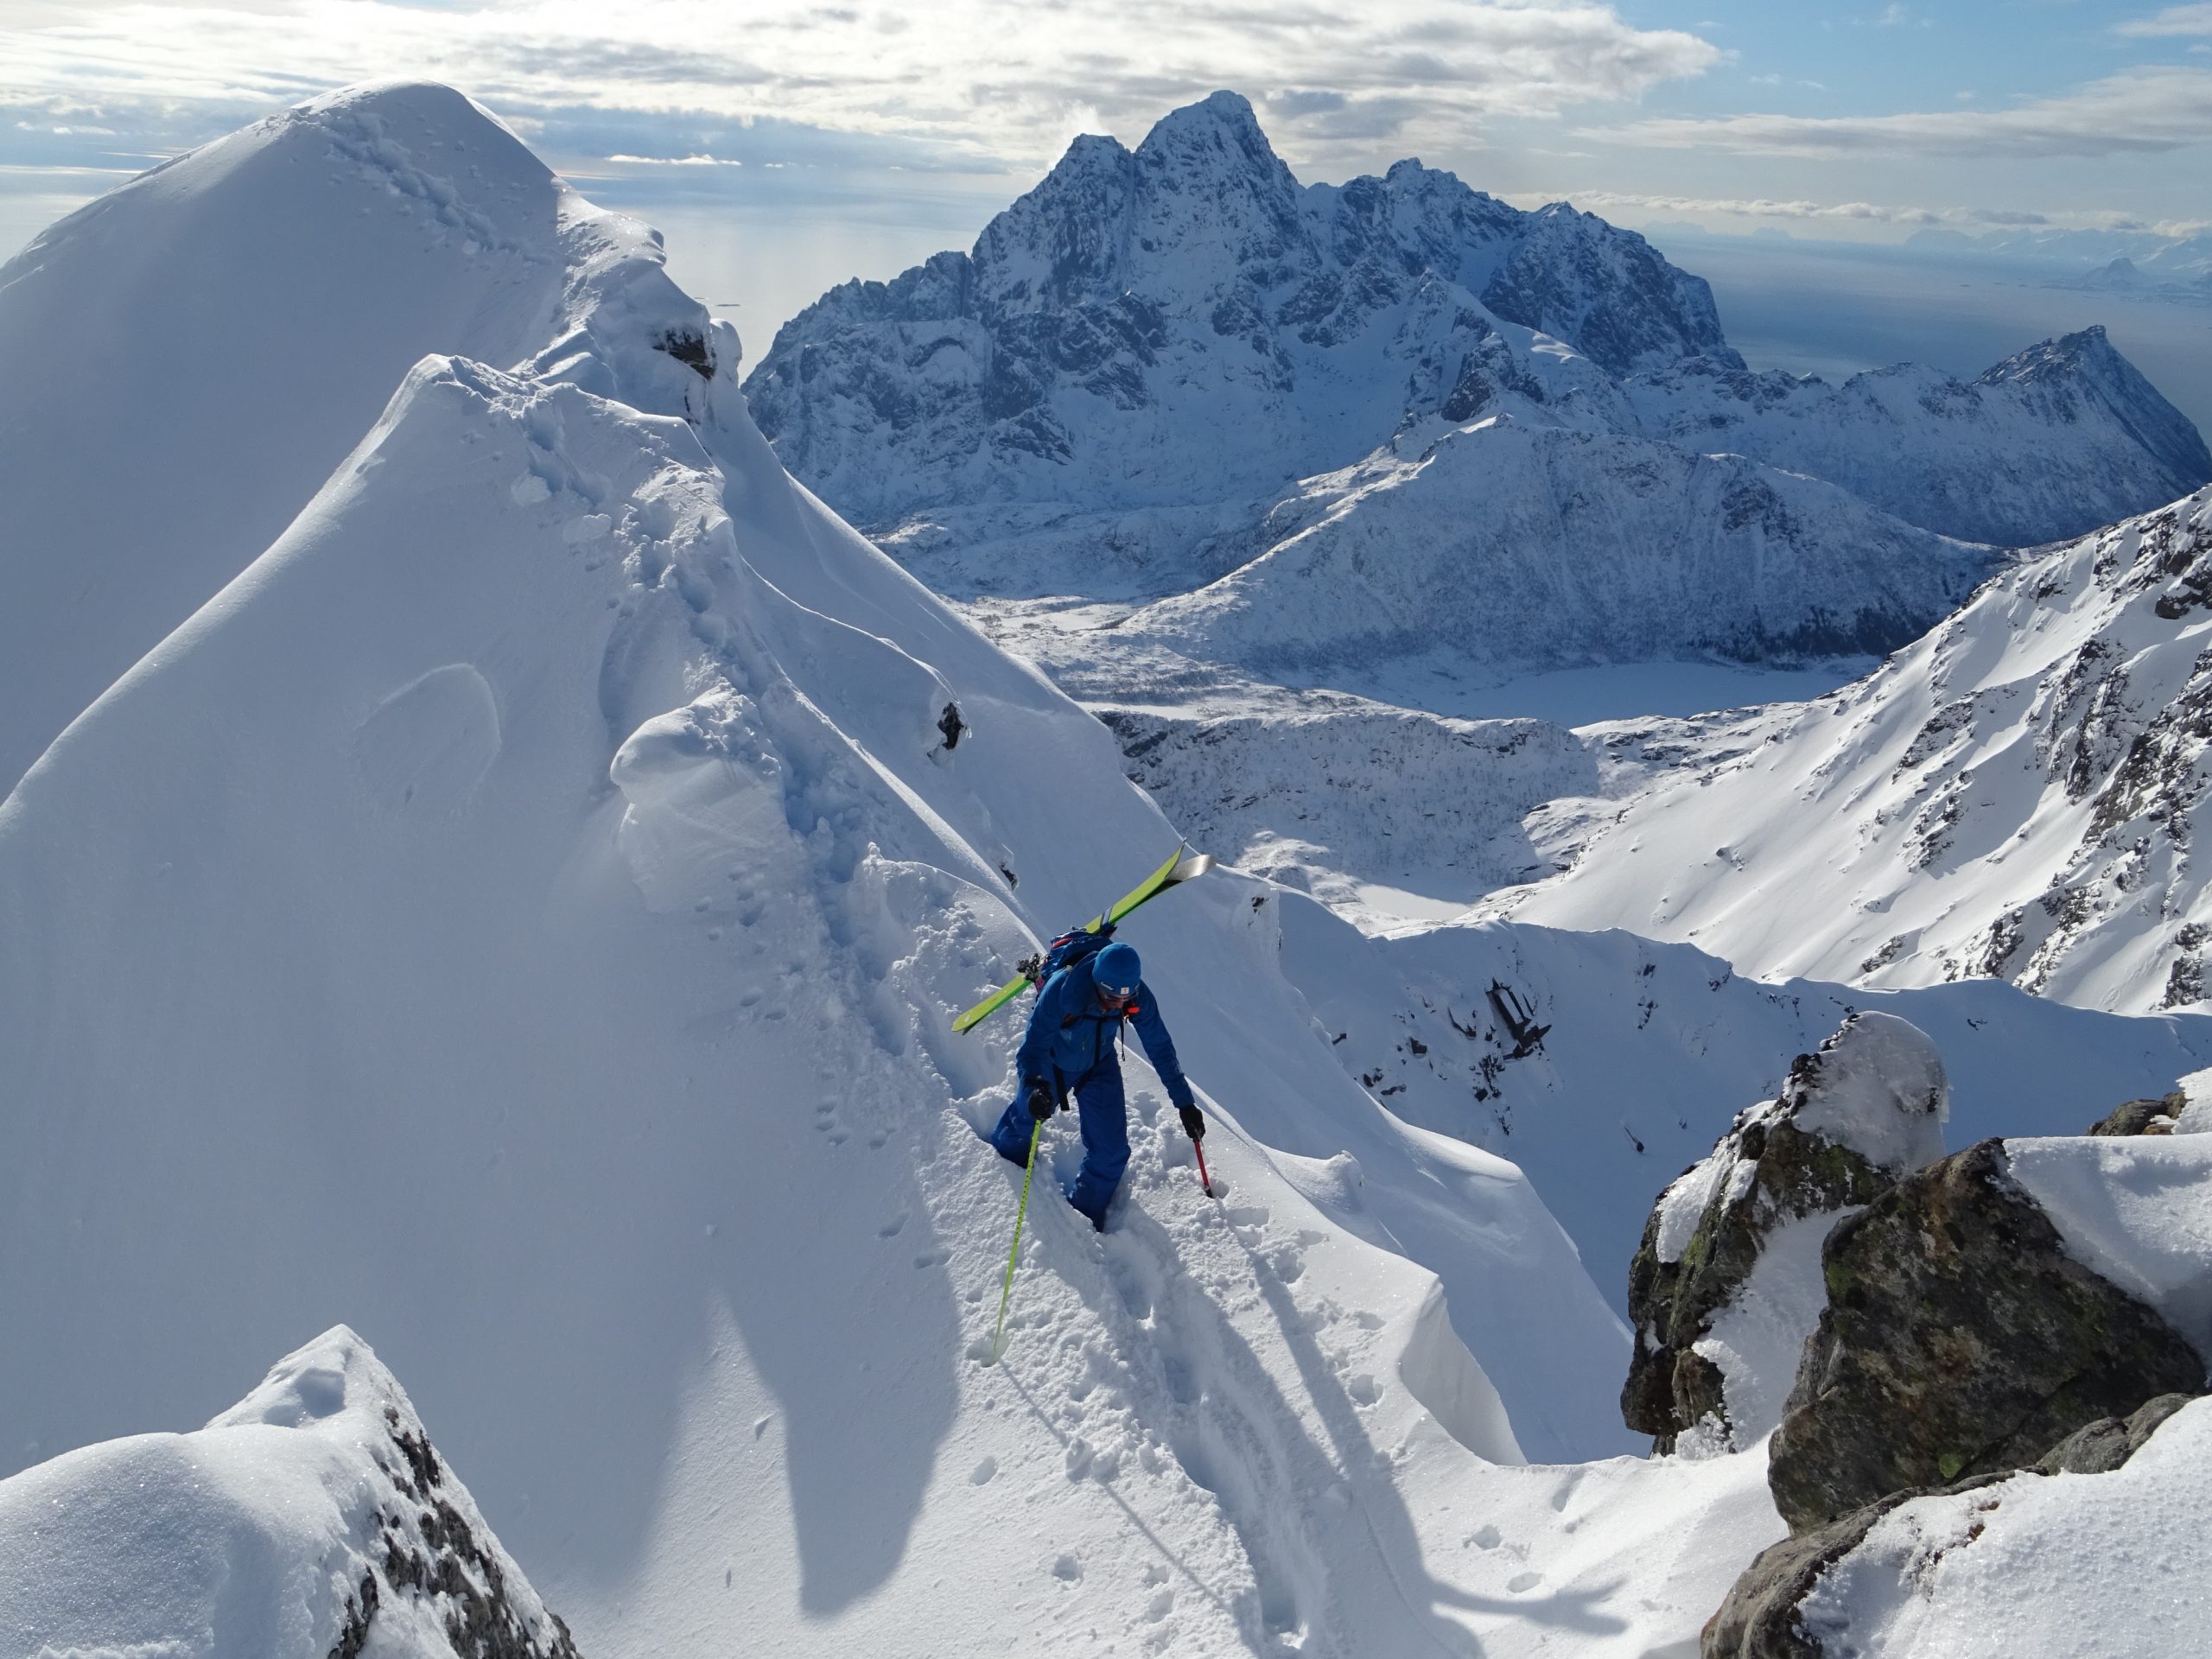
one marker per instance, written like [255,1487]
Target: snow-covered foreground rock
[314,1518]
[2064,1563]
[2014,796]
[520,916]
[1726,1284]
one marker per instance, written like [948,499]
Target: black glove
[1042,1103]
[1194,1123]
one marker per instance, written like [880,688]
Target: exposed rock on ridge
[1960,1338]
[1726,1286]
[313,1519]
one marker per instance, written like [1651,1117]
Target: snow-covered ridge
[2054,440]
[247,309]
[2015,796]
[1453,552]
[314,1518]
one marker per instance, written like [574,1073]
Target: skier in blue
[1070,1047]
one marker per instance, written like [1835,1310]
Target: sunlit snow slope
[2019,794]
[189,357]
[519,916]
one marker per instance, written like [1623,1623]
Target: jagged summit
[1186,322]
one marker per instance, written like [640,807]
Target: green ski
[1182,866]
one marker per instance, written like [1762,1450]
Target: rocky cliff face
[1960,1338]
[1726,1286]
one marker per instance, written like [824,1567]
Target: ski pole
[1019,1216]
[1204,1179]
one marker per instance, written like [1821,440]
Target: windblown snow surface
[519,916]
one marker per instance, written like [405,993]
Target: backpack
[1066,952]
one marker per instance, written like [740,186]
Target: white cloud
[2174,20]
[2150,109]
[676,160]
[1880,213]
[1002,77]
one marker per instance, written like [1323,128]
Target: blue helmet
[1117,972]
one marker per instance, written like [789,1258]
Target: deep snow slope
[189,356]
[1186,323]
[520,914]
[2053,441]
[2017,795]
[313,1518]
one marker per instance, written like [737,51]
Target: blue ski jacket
[1071,1034]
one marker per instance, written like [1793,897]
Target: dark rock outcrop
[1759,1619]
[1851,1121]
[2142,1116]
[1959,1339]
[2108,1443]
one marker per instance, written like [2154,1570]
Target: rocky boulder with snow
[313,1518]
[1726,1286]
[2020,1563]
[1964,1334]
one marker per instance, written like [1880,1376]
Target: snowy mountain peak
[2083,377]
[1186,324]
[2089,350]
[1217,119]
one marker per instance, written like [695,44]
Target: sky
[783,145]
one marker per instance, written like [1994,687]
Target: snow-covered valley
[507,870]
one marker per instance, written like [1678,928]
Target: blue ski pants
[1103,1110]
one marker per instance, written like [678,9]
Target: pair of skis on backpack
[1072,946]
[1183,865]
